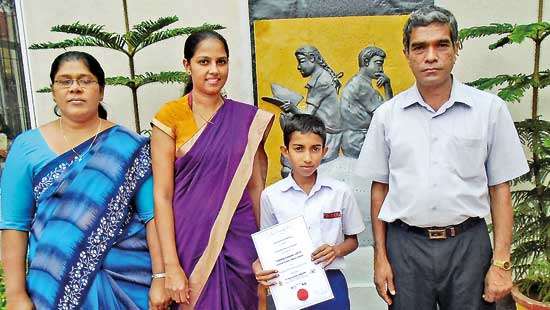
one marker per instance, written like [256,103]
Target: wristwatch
[503,264]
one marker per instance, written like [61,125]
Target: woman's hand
[176,284]
[264,277]
[20,301]
[159,298]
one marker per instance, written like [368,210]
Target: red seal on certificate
[302,294]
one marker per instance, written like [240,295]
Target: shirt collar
[289,183]
[458,95]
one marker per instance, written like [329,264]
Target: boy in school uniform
[327,205]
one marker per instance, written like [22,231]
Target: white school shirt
[330,210]
[439,164]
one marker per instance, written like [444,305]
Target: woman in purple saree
[209,169]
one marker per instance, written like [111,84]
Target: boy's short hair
[304,123]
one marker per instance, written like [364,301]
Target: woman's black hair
[91,63]
[191,47]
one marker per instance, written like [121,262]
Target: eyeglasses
[84,83]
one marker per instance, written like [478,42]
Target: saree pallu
[213,211]
[87,246]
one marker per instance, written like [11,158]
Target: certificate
[287,248]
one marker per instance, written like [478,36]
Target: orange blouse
[175,118]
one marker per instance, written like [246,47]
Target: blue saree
[87,241]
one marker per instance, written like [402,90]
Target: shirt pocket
[331,225]
[469,157]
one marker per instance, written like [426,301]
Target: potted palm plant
[531,194]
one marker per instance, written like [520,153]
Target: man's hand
[383,279]
[498,283]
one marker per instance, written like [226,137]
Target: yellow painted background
[339,39]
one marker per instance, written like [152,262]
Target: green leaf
[147,78]
[513,33]
[110,39]
[533,31]
[76,42]
[45,89]
[145,28]
[118,81]
[482,31]
[514,90]
[501,42]
[89,35]
[162,77]
[544,78]
[171,33]
[2,290]
[488,83]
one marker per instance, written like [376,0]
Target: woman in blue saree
[77,206]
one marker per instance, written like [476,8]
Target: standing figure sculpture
[359,99]
[321,100]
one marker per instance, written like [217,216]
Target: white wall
[40,15]
[476,60]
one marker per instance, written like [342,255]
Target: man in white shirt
[441,155]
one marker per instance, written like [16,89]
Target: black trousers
[439,274]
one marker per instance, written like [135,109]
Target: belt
[441,233]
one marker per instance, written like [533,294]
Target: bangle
[159,275]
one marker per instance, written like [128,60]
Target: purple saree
[213,212]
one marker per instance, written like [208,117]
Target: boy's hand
[264,276]
[324,254]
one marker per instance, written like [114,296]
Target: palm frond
[515,91]
[500,43]
[533,133]
[161,77]
[490,82]
[45,89]
[119,81]
[76,42]
[145,28]
[533,31]
[515,88]
[109,39]
[544,78]
[147,78]
[525,178]
[482,31]
[171,33]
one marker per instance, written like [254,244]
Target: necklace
[209,120]
[78,155]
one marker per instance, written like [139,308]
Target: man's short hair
[367,53]
[304,123]
[427,15]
